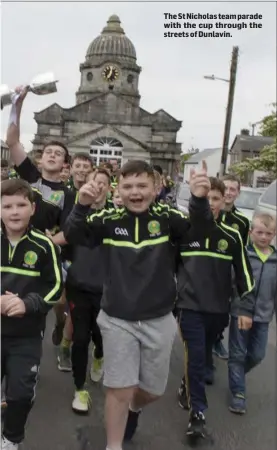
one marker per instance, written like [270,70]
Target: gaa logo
[154,227]
[121,231]
[30,258]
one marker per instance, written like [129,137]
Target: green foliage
[184,158]
[268,126]
[266,162]
[267,159]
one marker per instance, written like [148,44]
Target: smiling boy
[30,285]
[136,321]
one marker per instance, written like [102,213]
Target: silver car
[248,200]
[267,202]
[183,197]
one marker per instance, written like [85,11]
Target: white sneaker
[81,402]
[8,445]
[97,369]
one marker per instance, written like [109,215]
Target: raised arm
[18,154]
[85,226]
[200,221]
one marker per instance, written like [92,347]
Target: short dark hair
[4,163]
[17,186]
[100,170]
[136,167]
[83,157]
[104,172]
[231,177]
[107,165]
[217,185]
[158,169]
[59,144]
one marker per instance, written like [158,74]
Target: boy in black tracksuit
[139,287]
[31,283]
[84,288]
[238,221]
[204,284]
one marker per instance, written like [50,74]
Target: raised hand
[199,181]
[23,91]
[89,193]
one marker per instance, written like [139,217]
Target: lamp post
[229,110]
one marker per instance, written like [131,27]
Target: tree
[184,157]
[267,159]
[268,127]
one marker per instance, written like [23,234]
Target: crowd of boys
[103,248]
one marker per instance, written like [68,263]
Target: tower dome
[112,43]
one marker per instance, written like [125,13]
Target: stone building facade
[107,120]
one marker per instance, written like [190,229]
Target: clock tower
[110,65]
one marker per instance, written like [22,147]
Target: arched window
[105,148]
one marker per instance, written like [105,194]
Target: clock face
[110,73]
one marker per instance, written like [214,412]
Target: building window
[89,76]
[104,148]
[130,78]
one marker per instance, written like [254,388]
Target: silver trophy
[43,84]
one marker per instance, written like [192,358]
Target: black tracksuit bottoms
[199,331]
[20,362]
[84,309]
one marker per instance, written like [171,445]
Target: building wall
[213,163]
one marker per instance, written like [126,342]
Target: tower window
[89,76]
[130,78]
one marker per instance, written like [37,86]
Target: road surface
[53,426]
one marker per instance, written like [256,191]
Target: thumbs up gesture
[199,181]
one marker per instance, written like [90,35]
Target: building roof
[198,157]
[112,42]
[253,143]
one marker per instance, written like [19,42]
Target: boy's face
[231,191]
[53,158]
[16,212]
[117,199]
[216,201]
[80,169]
[4,173]
[137,191]
[65,174]
[261,235]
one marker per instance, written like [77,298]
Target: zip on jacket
[204,277]
[31,269]
[235,219]
[139,272]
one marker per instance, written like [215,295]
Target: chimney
[244,132]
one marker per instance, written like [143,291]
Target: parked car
[267,202]
[183,196]
[248,200]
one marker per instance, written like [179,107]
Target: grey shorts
[137,353]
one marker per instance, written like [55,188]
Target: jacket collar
[4,233]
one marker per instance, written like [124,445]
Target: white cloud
[55,37]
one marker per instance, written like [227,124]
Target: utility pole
[229,111]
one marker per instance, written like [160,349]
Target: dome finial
[113,25]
